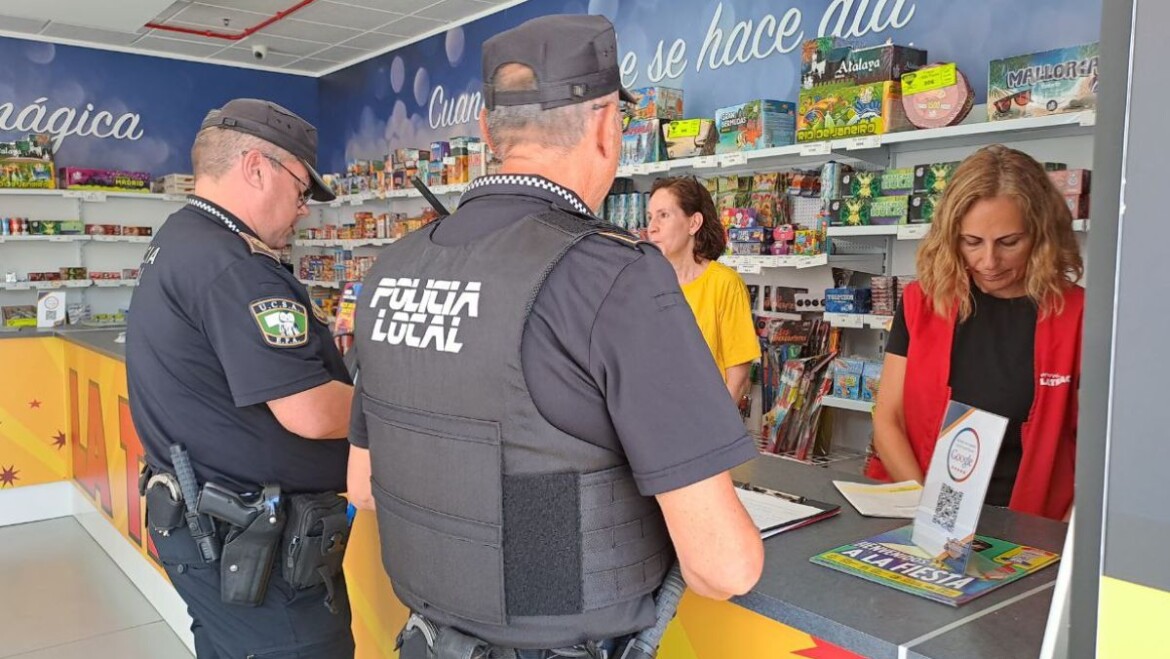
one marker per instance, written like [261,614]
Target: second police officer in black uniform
[537,419]
[242,401]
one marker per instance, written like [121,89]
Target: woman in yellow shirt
[685,226]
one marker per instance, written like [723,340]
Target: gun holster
[246,562]
[314,542]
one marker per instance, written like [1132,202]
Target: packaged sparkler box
[934,177]
[658,103]
[761,124]
[690,138]
[922,208]
[1042,84]
[883,63]
[80,178]
[642,142]
[859,211]
[26,173]
[831,112]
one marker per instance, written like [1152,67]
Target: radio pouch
[246,562]
[315,540]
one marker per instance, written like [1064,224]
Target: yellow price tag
[930,79]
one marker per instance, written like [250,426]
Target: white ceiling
[319,38]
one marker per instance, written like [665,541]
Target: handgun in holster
[251,544]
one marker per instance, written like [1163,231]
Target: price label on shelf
[60,239]
[733,159]
[862,143]
[913,231]
[706,162]
[846,320]
[337,203]
[750,266]
[356,201]
[657,167]
[812,149]
[813,261]
[93,195]
[181,198]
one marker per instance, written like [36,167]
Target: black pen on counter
[764,490]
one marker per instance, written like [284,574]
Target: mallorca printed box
[1042,84]
[658,103]
[761,124]
[839,111]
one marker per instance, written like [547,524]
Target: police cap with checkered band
[275,124]
[574,57]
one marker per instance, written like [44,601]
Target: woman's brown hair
[997,171]
[692,197]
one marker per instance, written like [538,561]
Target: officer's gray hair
[216,149]
[510,125]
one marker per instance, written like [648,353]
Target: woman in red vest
[994,321]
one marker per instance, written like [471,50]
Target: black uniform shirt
[217,328]
[611,353]
[991,369]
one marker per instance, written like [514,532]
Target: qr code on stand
[946,511]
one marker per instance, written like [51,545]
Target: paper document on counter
[773,514]
[897,500]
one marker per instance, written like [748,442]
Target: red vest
[1044,485]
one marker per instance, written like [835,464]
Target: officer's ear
[252,163]
[607,125]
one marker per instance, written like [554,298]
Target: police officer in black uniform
[229,360]
[538,422]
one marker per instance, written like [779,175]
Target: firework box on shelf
[864,212]
[642,142]
[658,103]
[26,173]
[80,178]
[841,111]
[690,138]
[883,63]
[760,124]
[923,206]
[934,177]
[1042,84]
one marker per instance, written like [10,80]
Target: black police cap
[280,126]
[574,57]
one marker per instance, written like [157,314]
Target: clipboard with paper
[775,512]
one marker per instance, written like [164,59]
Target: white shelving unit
[911,231]
[847,404]
[24,254]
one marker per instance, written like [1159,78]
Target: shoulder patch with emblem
[257,246]
[283,323]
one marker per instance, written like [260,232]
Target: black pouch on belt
[164,504]
[315,540]
[246,562]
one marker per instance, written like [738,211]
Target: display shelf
[847,232]
[847,404]
[976,131]
[859,321]
[363,198]
[348,243]
[320,283]
[92,195]
[750,264]
[115,283]
[122,239]
[44,239]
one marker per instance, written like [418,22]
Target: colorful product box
[745,234]
[761,124]
[847,375]
[658,103]
[79,178]
[1044,83]
[808,243]
[74,274]
[739,217]
[839,111]
[26,173]
[848,300]
[1071,181]
[933,178]
[818,60]
[1078,205]
[690,138]
[899,181]
[642,142]
[882,63]
[865,212]
[922,208]
[746,249]
[103,229]
[863,185]
[440,150]
[137,231]
[871,378]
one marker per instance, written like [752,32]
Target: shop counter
[878,621]
[64,415]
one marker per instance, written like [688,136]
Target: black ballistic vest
[492,520]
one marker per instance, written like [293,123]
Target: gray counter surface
[96,339]
[878,621]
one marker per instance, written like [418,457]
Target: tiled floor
[61,597]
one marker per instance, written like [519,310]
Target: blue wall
[169,98]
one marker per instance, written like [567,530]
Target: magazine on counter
[894,560]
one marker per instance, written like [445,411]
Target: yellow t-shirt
[719,300]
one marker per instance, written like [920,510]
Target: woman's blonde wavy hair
[997,171]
